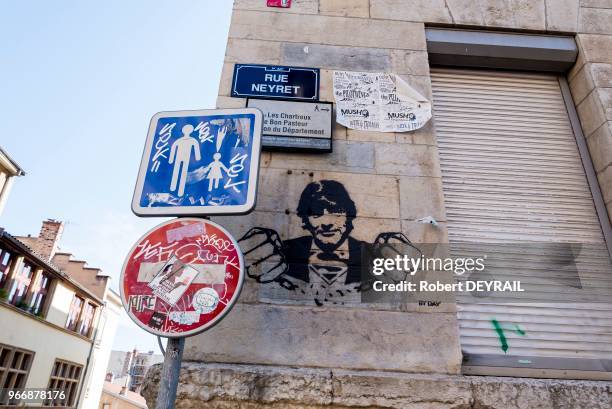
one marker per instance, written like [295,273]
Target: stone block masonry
[276,350]
[225,386]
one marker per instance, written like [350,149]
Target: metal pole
[161,346]
[166,396]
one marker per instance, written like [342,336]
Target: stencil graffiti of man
[180,155]
[326,263]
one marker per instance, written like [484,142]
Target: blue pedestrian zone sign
[199,163]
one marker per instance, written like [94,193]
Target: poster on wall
[378,102]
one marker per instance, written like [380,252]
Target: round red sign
[182,277]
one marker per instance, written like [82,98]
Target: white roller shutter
[512,173]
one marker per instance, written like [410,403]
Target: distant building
[9,169]
[129,368]
[119,397]
[118,367]
[141,362]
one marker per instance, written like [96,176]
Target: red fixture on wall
[279,3]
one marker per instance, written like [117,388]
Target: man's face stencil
[327,213]
[329,229]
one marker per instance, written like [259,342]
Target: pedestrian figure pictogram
[180,155]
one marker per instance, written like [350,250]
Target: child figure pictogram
[215,171]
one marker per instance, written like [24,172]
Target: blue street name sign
[271,81]
[200,163]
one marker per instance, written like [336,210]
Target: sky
[80,82]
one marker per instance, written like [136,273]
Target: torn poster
[173,280]
[378,102]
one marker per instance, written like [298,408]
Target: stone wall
[591,85]
[218,386]
[393,180]
[387,35]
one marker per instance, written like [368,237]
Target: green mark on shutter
[502,337]
[500,334]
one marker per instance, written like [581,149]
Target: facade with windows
[519,150]
[58,316]
[51,317]
[59,330]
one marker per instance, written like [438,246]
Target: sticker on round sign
[182,277]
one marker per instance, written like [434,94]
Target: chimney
[48,238]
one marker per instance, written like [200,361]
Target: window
[14,368]
[65,376]
[40,294]
[74,313]
[87,318]
[20,285]
[5,263]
